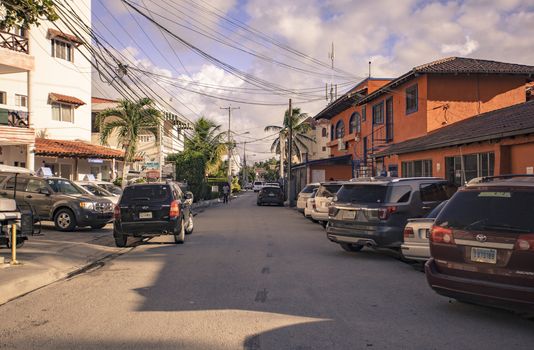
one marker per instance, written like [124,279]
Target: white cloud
[464,49]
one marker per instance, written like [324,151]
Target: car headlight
[87,205]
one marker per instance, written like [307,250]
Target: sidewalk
[51,257]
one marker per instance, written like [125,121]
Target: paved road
[253,278]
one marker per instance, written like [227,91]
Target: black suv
[149,210]
[58,200]
[373,211]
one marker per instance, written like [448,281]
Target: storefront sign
[95,161]
[152,165]
[152,174]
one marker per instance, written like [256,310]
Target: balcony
[14,54]
[14,42]
[13,118]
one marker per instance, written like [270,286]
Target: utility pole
[229,108]
[245,179]
[290,145]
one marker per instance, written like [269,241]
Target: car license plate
[145,215]
[271,194]
[484,255]
[348,214]
[427,233]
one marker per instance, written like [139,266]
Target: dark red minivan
[482,244]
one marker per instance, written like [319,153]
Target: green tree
[129,120]
[25,13]
[208,139]
[294,122]
[190,167]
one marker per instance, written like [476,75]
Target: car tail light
[408,232]
[175,209]
[332,211]
[525,242]
[441,235]
[117,212]
[385,212]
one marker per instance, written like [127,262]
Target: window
[21,184]
[324,132]
[340,129]
[399,194]
[62,49]
[3,98]
[35,186]
[63,112]
[94,125]
[389,119]
[378,113]
[21,100]
[434,192]
[324,149]
[355,123]
[364,113]
[459,171]
[145,138]
[332,134]
[411,99]
[417,168]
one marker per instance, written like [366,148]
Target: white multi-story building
[151,152]
[45,100]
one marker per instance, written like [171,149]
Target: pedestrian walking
[226,192]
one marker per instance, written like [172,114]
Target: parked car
[257,186]
[373,212]
[270,195]
[152,209]
[303,196]
[272,184]
[416,233]
[324,196]
[310,204]
[482,244]
[98,191]
[58,200]
[110,187]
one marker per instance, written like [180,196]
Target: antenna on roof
[333,91]
[369,69]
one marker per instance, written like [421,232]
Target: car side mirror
[189,195]
[44,191]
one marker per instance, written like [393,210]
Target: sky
[261,53]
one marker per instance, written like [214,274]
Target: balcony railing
[13,42]
[18,119]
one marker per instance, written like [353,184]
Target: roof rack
[485,179]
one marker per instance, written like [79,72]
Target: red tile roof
[76,149]
[66,99]
[52,33]
[102,100]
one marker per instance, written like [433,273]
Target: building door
[65,171]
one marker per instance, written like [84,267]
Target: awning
[55,97]
[75,149]
[54,33]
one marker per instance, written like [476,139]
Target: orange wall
[452,98]
[521,157]
[336,172]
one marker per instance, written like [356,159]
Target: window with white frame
[63,112]
[3,98]
[21,100]
[62,49]
[145,138]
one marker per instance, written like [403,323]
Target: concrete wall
[452,98]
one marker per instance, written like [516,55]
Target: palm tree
[208,139]
[294,122]
[129,120]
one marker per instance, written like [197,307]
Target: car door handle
[425,208]
[29,196]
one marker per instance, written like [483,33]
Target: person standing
[226,192]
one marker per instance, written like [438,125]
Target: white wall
[55,75]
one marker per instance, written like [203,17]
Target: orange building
[368,123]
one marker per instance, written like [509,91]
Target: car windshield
[112,188]
[63,186]
[257,183]
[497,210]
[362,193]
[309,188]
[146,193]
[97,191]
[271,190]
[328,190]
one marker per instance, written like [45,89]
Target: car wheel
[179,237]
[120,239]
[189,226]
[98,227]
[351,247]
[64,220]
[259,204]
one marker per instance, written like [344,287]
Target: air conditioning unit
[341,145]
